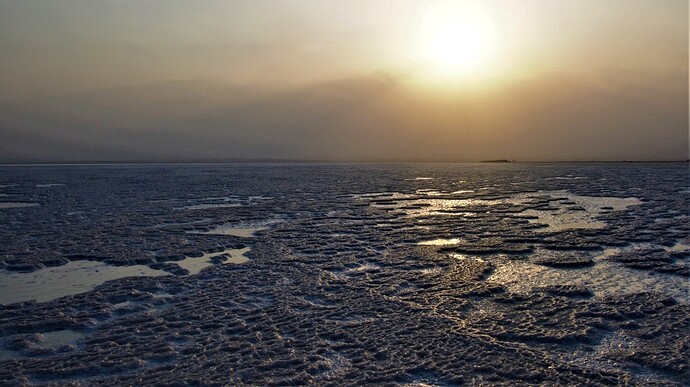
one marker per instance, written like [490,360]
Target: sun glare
[456,38]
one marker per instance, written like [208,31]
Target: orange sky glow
[447,80]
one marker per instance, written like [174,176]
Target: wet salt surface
[220,202]
[16,205]
[207,206]
[485,274]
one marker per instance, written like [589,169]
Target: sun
[456,38]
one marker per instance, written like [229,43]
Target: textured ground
[406,274]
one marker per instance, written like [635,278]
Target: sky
[331,80]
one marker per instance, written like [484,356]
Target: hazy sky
[173,80]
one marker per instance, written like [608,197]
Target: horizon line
[316,161]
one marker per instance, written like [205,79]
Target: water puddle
[604,279]
[428,204]
[17,204]
[572,211]
[607,253]
[78,277]
[72,278]
[122,304]
[440,242]
[58,338]
[196,264]
[246,230]
[462,257]
[678,247]
[46,340]
[558,210]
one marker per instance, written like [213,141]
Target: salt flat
[437,274]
